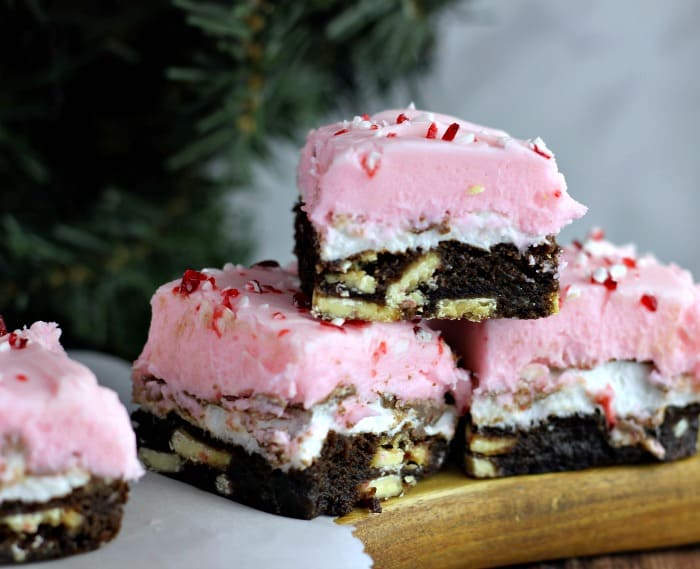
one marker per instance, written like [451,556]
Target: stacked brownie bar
[613,378]
[245,394]
[67,451]
[409,213]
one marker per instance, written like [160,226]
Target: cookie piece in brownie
[613,378]
[67,451]
[243,393]
[409,214]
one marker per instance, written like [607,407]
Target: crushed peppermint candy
[254,286]
[401,118]
[618,272]
[432,131]
[17,341]
[451,132]
[649,302]
[191,281]
[467,138]
[370,163]
[600,275]
[540,148]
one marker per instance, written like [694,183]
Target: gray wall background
[613,87]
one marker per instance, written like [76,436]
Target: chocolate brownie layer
[574,443]
[453,280]
[359,469]
[81,521]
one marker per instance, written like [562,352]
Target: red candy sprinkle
[441,347]
[374,127]
[391,135]
[451,132]
[577,244]
[254,286]
[270,288]
[401,118]
[283,332]
[191,280]
[21,377]
[279,316]
[597,234]
[605,400]
[365,117]
[649,302]
[379,352]
[629,262]
[17,342]
[3,328]
[369,166]
[541,152]
[218,313]
[227,295]
[608,283]
[341,131]
[557,193]
[432,131]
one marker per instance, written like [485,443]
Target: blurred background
[139,139]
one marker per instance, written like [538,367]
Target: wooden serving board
[452,521]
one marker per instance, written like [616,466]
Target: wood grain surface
[451,521]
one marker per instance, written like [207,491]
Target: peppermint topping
[629,262]
[17,341]
[467,138]
[341,131]
[227,295]
[618,272]
[602,276]
[254,286]
[597,234]
[21,377]
[370,163]
[191,280]
[605,400]
[540,148]
[649,302]
[451,132]
[432,131]
[401,118]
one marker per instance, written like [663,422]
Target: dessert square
[67,451]
[410,213]
[244,394]
[613,378]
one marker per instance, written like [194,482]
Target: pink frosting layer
[53,410]
[615,306]
[243,333]
[385,170]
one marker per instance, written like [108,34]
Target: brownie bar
[81,521]
[573,443]
[359,469]
[451,281]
